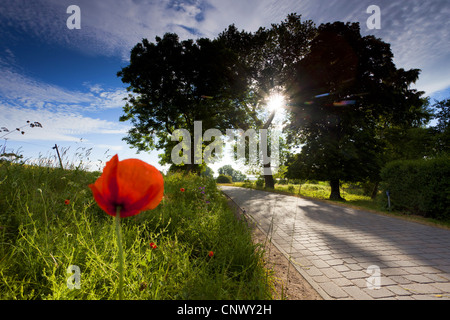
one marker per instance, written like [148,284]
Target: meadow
[190,247]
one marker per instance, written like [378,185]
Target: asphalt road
[346,253]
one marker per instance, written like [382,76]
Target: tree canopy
[344,93]
[235,175]
[174,83]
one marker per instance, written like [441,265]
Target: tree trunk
[267,170]
[335,191]
[375,190]
[268,178]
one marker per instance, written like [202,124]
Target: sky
[66,80]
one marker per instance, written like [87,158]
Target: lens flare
[275,101]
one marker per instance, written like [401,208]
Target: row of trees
[349,107]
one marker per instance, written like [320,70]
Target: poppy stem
[119,245]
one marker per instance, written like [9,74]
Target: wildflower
[182,189]
[207,201]
[129,185]
[153,245]
[125,189]
[210,254]
[66,202]
[143,286]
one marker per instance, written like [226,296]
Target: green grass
[41,237]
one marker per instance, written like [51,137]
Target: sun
[275,101]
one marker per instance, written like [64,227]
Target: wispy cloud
[62,112]
[419,31]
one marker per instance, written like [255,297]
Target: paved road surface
[341,251]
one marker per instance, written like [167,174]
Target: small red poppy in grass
[66,202]
[210,254]
[182,189]
[124,189]
[130,185]
[153,245]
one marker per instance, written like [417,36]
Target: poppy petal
[131,184]
[102,202]
[110,180]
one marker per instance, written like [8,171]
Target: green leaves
[345,92]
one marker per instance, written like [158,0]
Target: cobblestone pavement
[346,253]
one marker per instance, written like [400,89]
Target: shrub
[419,186]
[260,182]
[223,179]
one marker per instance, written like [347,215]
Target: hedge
[223,179]
[419,186]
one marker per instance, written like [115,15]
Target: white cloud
[57,126]
[419,31]
[62,112]
[28,92]
[109,147]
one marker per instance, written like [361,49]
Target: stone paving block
[335,262]
[399,291]
[418,278]
[393,272]
[400,279]
[357,293]
[333,290]
[349,260]
[424,297]
[436,277]
[355,274]
[342,282]
[321,279]
[322,252]
[327,257]
[427,270]
[341,268]
[421,288]
[444,287]
[413,270]
[331,273]
[387,281]
[379,293]
[406,263]
[445,269]
[320,263]
[354,267]
[360,283]
[313,271]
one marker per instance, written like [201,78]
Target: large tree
[345,92]
[174,83]
[269,55]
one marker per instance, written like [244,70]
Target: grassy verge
[353,196]
[42,235]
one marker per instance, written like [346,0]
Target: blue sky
[66,79]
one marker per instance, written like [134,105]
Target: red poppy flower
[66,202]
[210,253]
[182,189]
[153,245]
[130,184]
